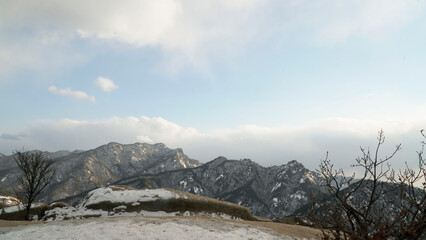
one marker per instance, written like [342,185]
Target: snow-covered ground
[142,228]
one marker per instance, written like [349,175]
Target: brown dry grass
[6,223]
[290,230]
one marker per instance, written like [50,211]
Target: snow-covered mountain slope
[270,192]
[80,171]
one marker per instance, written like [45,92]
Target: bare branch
[381,204]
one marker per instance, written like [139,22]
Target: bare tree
[381,204]
[37,173]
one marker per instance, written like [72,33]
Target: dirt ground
[4,223]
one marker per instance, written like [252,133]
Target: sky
[267,80]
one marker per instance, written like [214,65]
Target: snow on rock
[277,185]
[299,195]
[69,212]
[220,177]
[275,201]
[125,200]
[65,213]
[197,190]
[118,195]
[183,183]
[142,228]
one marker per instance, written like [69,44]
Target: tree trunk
[27,212]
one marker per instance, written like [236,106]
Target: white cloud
[189,33]
[71,93]
[106,84]
[37,53]
[366,19]
[267,146]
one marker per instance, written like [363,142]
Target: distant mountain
[274,192]
[80,171]
[271,192]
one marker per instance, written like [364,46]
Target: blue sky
[267,80]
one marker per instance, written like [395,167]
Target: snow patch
[277,185]
[122,207]
[220,176]
[275,201]
[127,196]
[82,213]
[19,207]
[183,183]
[299,195]
[70,212]
[197,190]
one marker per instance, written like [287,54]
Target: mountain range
[272,192]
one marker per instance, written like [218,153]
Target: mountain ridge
[78,170]
[273,192]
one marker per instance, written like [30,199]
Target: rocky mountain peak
[295,164]
[250,162]
[79,171]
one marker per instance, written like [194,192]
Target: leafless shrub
[381,204]
[37,173]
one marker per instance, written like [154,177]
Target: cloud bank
[188,33]
[71,93]
[267,146]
